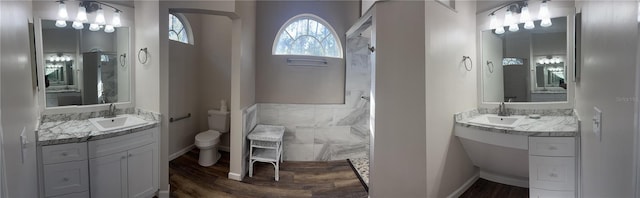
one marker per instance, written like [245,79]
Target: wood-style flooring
[333,179]
[487,189]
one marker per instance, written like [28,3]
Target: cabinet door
[65,178]
[108,176]
[142,167]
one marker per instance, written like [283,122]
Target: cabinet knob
[130,154]
[553,175]
[64,154]
[65,179]
[553,148]
[123,157]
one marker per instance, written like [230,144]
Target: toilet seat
[207,138]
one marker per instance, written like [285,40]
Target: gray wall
[399,160]
[277,82]
[18,106]
[608,81]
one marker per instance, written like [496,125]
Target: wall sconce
[88,7]
[512,22]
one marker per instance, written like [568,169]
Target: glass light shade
[529,25]
[541,61]
[77,25]
[57,59]
[493,23]
[508,18]
[62,11]
[109,29]
[544,11]
[116,19]
[82,15]
[547,61]
[545,22]
[514,27]
[100,17]
[499,30]
[94,27]
[68,58]
[51,58]
[61,23]
[525,16]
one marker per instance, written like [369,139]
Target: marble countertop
[552,124]
[74,131]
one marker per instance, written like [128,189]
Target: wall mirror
[85,67]
[528,65]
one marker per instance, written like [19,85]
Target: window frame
[318,20]
[186,25]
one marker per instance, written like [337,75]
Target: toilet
[207,141]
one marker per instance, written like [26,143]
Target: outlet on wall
[597,123]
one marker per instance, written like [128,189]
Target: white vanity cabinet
[122,166]
[552,167]
[125,166]
[65,171]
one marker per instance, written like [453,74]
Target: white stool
[266,146]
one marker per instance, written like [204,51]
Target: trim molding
[465,186]
[504,179]
[235,176]
[163,193]
[181,152]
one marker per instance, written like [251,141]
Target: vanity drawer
[118,144]
[552,173]
[66,178]
[552,146]
[64,153]
[84,194]
[540,193]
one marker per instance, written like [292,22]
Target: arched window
[179,29]
[307,34]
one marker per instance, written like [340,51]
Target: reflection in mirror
[84,67]
[527,65]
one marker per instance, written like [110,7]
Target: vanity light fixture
[522,8]
[88,6]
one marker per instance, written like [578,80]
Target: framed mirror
[528,65]
[84,67]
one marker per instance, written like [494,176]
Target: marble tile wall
[329,132]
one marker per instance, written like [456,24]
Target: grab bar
[179,118]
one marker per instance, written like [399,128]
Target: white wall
[276,81]
[609,46]
[493,82]
[450,88]
[19,107]
[148,76]
[399,161]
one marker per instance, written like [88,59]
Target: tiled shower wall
[329,132]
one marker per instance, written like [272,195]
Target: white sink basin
[119,122]
[498,121]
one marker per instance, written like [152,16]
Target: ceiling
[486,5]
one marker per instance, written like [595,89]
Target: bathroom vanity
[77,158]
[540,154]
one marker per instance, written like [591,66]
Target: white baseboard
[165,193]
[224,148]
[181,152]
[235,176]
[464,186]
[504,179]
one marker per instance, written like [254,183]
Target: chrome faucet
[502,110]
[111,112]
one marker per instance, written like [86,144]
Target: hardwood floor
[487,189]
[297,179]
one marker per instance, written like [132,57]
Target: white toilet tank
[219,121]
